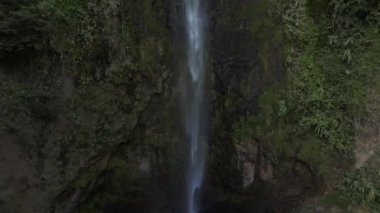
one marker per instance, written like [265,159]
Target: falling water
[194,99]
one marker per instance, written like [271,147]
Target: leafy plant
[22,28]
[350,13]
[22,104]
[363,187]
[312,116]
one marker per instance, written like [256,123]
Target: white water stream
[195,26]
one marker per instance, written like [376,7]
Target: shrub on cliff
[22,29]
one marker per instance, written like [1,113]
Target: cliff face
[248,58]
[89,106]
[88,111]
[290,96]
[89,102]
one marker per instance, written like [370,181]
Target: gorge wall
[89,101]
[87,106]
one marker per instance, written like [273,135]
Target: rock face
[247,59]
[248,158]
[98,125]
[368,139]
[89,111]
[252,163]
[95,130]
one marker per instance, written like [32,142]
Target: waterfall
[194,100]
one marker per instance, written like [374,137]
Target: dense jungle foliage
[332,50]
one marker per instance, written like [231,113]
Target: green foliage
[325,94]
[110,60]
[22,28]
[330,69]
[73,33]
[350,13]
[12,101]
[22,104]
[102,116]
[107,105]
[317,8]
[321,95]
[362,186]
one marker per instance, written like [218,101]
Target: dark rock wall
[247,58]
[90,117]
[90,124]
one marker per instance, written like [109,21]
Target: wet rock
[247,160]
